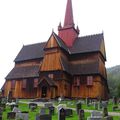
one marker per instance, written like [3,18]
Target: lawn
[71,104]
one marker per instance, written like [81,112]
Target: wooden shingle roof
[23,72]
[85,44]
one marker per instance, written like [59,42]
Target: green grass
[24,107]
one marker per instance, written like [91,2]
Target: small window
[76,81]
[24,83]
[89,80]
[35,82]
[51,76]
[13,84]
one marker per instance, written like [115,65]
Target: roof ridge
[34,44]
[91,35]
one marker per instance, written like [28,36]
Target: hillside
[114,80]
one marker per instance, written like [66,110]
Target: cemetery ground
[24,106]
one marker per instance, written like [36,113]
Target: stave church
[66,65]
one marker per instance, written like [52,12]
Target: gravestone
[78,107]
[81,115]
[11,115]
[61,114]
[51,110]
[15,109]
[68,112]
[24,115]
[44,117]
[95,105]
[42,111]
[105,112]
[95,115]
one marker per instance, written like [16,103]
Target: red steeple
[68,33]
[69,15]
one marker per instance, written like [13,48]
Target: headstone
[51,110]
[11,115]
[24,115]
[95,115]
[42,111]
[44,117]
[104,104]
[15,109]
[105,112]
[68,112]
[61,114]
[96,105]
[78,107]
[81,115]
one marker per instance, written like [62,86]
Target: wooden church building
[66,65]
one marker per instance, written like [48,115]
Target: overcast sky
[25,22]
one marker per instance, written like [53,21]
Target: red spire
[69,15]
[68,33]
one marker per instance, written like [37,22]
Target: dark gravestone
[68,112]
[51,110]
[105,112]
[61,114]
[44,117]
[11,115]
[78,107]
[81,115]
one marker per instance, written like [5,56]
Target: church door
[44,92]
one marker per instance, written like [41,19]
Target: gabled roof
[86,44]
[23,72]
[48,80]
[59,41]
[29,52]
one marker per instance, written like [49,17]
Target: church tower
[68,33]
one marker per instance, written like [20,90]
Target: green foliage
[114,80]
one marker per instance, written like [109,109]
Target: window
[13,84]
[76,81]
[89,80]
[35,82]
[51,76]
[83,79]
[24,83]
